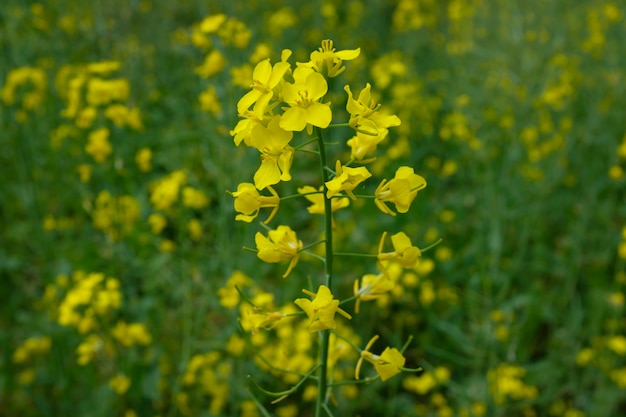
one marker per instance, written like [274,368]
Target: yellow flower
[372,287]
[101,92]
[303,98]
[401,190]
[276,155]
[157,222]
[194,227]
[164,192]
[317,198]
[346,179]
[143,159]
[213,63]
[617,344]
[119,383]
[243,128]
[131,334]
[328,61]
[321,311]
[364,114]
[98,146]
[404,252]
[281,244]
[387,364]
[209,101]
[252,320]
[265,80]
[362,144]
[212,23]
[249,202]
[195,199]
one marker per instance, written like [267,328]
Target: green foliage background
[514,112]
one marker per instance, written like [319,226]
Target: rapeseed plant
[281,102]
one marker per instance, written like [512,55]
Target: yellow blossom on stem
[346,179]
[243,128]
[317,198]
[387,364]
[321,310]
[249,202]
[364,114]
[326,60]
[253,319]
[281,244]
[303,98]
[401,190]
[265,80]
[404,252]
[362,145]
[372,287]
[276,154]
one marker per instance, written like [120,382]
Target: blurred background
[119,253]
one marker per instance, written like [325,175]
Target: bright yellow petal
[294,119]
[267,174]
[348,54]
[316,85]
[319,115]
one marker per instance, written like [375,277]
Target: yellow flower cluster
[116,216]
[92,297]
[207,374]
[505,382]
[29,82]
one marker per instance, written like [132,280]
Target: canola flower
[279,245]
[401,190]
[365,116]
[371,287]
[404,252]
[346,179]
[305,110]
[321,310]
[328,61]
[276,154]
[387,364]
[265,80]
[249,202]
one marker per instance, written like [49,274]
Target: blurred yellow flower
[213,63]
[212,23]
[119,384]
[98,145]
[143,159]
[195,199]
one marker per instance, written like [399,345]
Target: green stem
[328,222]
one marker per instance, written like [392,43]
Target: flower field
[328,208]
